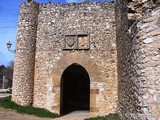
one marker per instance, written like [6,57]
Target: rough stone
[138,98]
[85,21]
[117,44]
[147,41]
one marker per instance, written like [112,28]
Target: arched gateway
[75,89]
[74,76]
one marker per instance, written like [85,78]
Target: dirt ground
[76,115]
[4,95]
[7,114]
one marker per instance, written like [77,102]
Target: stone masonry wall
[139,67]
[57,20]
[23,77]
[137,8]
[146,62]
[122,49]
[134,46]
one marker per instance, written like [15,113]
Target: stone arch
[90,66]
[75,89]
[79,58]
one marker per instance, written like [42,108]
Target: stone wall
[146,57]
[138,65]
[129,41]
[23,77]
[137,8]
[54,22]
[122,49]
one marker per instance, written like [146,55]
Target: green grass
[7,103]
[108,117]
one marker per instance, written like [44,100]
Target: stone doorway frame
[90,66]
[62,109]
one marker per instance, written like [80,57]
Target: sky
[9,10]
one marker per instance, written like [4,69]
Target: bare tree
[11,64]
[8,72]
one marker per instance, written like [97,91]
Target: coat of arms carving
[77,42]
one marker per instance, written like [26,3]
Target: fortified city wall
[54,22]
[138,47]
[23,77]
[124,40]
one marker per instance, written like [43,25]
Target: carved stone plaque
[83,42]
[76,42]
[70,40]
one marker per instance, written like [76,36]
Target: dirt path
[7,114]
[4,95]
[76,115]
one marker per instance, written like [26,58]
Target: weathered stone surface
[147,40]
[126,39]
[138,63]
[23,78]
[137,8]
[88,20]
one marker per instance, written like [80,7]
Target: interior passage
[75,89]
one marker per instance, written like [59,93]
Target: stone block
[93,100]
[57,98]
[94,109]
[94,91]
[56,81]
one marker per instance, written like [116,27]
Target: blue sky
[9,10]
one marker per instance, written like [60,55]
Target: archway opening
[75,89]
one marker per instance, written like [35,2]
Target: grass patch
[7,103]
[108,117]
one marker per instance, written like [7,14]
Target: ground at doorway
[40,112]
[2,95]
[76,115]
[7,114]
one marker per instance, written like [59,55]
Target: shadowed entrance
[75,89]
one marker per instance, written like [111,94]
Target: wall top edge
[72,4]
